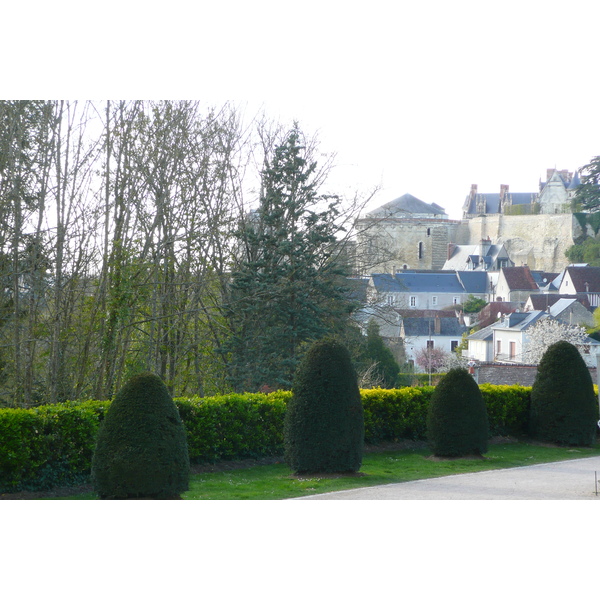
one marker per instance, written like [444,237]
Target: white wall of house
[508,345]
[480,350]
[422,300]
[413,344]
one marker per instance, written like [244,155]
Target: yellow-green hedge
[52,445]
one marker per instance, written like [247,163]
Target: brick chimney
[503,191]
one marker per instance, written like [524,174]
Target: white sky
[415,97]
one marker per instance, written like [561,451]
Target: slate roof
[433,281]
[462,254]
[486,333]
[406,206]
[520,321]
[544,301]
[492,201]
[575,182]
[560,306]
[440,282]
[474,282]
[544,280]
[417,326]
[384,282]
[519,278]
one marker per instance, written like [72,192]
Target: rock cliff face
[538,241]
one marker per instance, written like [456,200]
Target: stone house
[484,256]
[581,279]
[418,333]
[430,290]
[515,284]
[506,340]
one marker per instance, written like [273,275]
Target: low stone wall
[511,374]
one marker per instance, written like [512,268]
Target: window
[430,344]
[420,250]
[390,300]
[498,347]
[433,300]
[453,345]
[512,352]
[456,300]
[428,231]
[413,301]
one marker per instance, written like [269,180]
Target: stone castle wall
[538,241]
[389,245]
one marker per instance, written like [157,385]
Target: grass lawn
[275,482]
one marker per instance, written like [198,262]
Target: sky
[424,98]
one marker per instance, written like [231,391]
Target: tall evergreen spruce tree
[288,288]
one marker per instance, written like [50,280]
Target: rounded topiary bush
[457,420]
[324,422]
[141,449]
[564,407]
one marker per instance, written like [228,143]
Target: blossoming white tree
[548,331]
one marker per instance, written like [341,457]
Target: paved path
[565,480]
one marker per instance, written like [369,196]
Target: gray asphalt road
[566,480]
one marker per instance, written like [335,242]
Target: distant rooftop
[406,207]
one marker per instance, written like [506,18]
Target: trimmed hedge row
[52,445]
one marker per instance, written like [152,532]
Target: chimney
[437,325]
[503,192]
[473,192]
[549,173]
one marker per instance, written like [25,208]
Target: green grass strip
[275,482]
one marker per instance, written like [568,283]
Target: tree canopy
[287,288]
[587,196]
[547,332]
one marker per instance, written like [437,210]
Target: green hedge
[507,407]
[52,445]
[49,445]
[234,426]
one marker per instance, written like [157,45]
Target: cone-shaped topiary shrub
[324,423]
[457,421]
[141,449]
[564,407]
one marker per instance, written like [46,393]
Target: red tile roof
[519,278]
[582,275]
